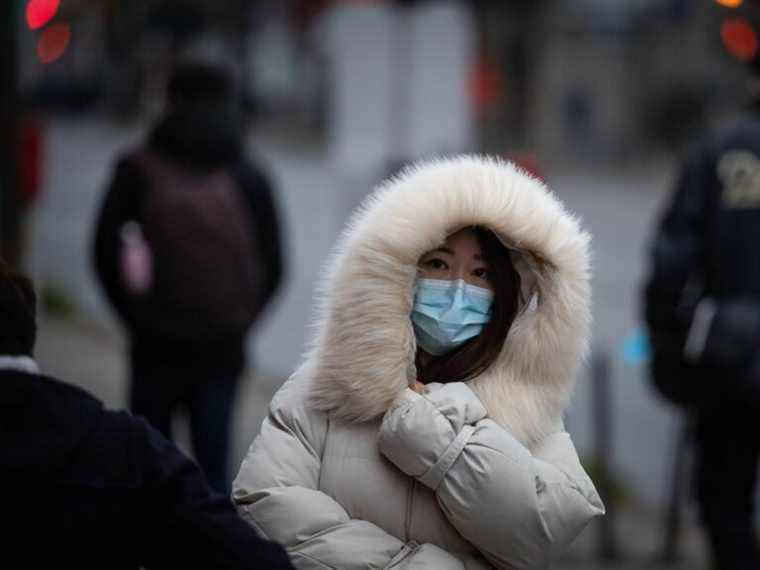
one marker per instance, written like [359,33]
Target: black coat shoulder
[87,487]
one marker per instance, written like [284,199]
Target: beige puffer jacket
[352,469]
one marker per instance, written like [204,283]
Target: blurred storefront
[590,78]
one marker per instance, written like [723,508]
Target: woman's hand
[418,387]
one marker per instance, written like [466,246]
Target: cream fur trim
[363,354]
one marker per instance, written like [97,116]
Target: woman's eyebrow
[442,249]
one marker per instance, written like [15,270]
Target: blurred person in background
[424,429]
[85,487]
[702,307]
[188,251]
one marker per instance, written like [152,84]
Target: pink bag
[136,262]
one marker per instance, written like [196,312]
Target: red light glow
[53,42]
[739,38]
[40,12]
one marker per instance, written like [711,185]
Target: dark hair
[18,308]
[477,354]
[192,83]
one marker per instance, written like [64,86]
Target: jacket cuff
[433,477]
[424,434]
[457,402]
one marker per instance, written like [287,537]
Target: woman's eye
[436,263]
[481,273]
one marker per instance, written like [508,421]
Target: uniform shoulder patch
[739,172]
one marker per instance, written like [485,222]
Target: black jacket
[707,246]
[195,139]
[83,487]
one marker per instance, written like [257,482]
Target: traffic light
[54,39]
[739,38]
[40,12]
[739,29]
[53,42]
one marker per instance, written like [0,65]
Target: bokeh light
[53,42]
[739,38]
[40,12]
[730,3]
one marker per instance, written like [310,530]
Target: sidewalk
[91,356]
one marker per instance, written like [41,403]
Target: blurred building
[581,78]
[617,79]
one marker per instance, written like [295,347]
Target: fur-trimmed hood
[363,352]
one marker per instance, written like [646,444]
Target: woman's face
[459,257]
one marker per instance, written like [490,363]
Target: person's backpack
[207,277]
[704,349]
[711,357]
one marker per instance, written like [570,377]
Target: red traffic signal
[53,42]
[40,12]
[739,38]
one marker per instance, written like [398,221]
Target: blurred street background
[598,97]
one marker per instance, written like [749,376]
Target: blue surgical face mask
[446,314]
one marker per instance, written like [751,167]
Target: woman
[424,429]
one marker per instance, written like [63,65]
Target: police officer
[702,305]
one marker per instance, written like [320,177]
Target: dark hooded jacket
[702,295]
[199,139]
[84,487]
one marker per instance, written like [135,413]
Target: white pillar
[358,41]
[441,48]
